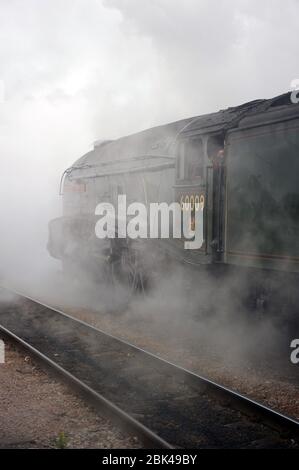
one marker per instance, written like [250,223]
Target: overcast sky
[79,70]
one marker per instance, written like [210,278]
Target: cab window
[190,160]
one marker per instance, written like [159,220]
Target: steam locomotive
[243,162]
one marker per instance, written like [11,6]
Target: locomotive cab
[199,186]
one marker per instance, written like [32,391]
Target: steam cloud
[76,71]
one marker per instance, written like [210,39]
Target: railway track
[165,405]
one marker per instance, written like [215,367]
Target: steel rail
[260,414]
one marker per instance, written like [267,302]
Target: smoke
[77,71]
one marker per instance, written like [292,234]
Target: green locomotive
[241,163]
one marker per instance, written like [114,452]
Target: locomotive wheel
[125,269]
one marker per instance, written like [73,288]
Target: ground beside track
[269,379]
[266,381]
[35,408]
